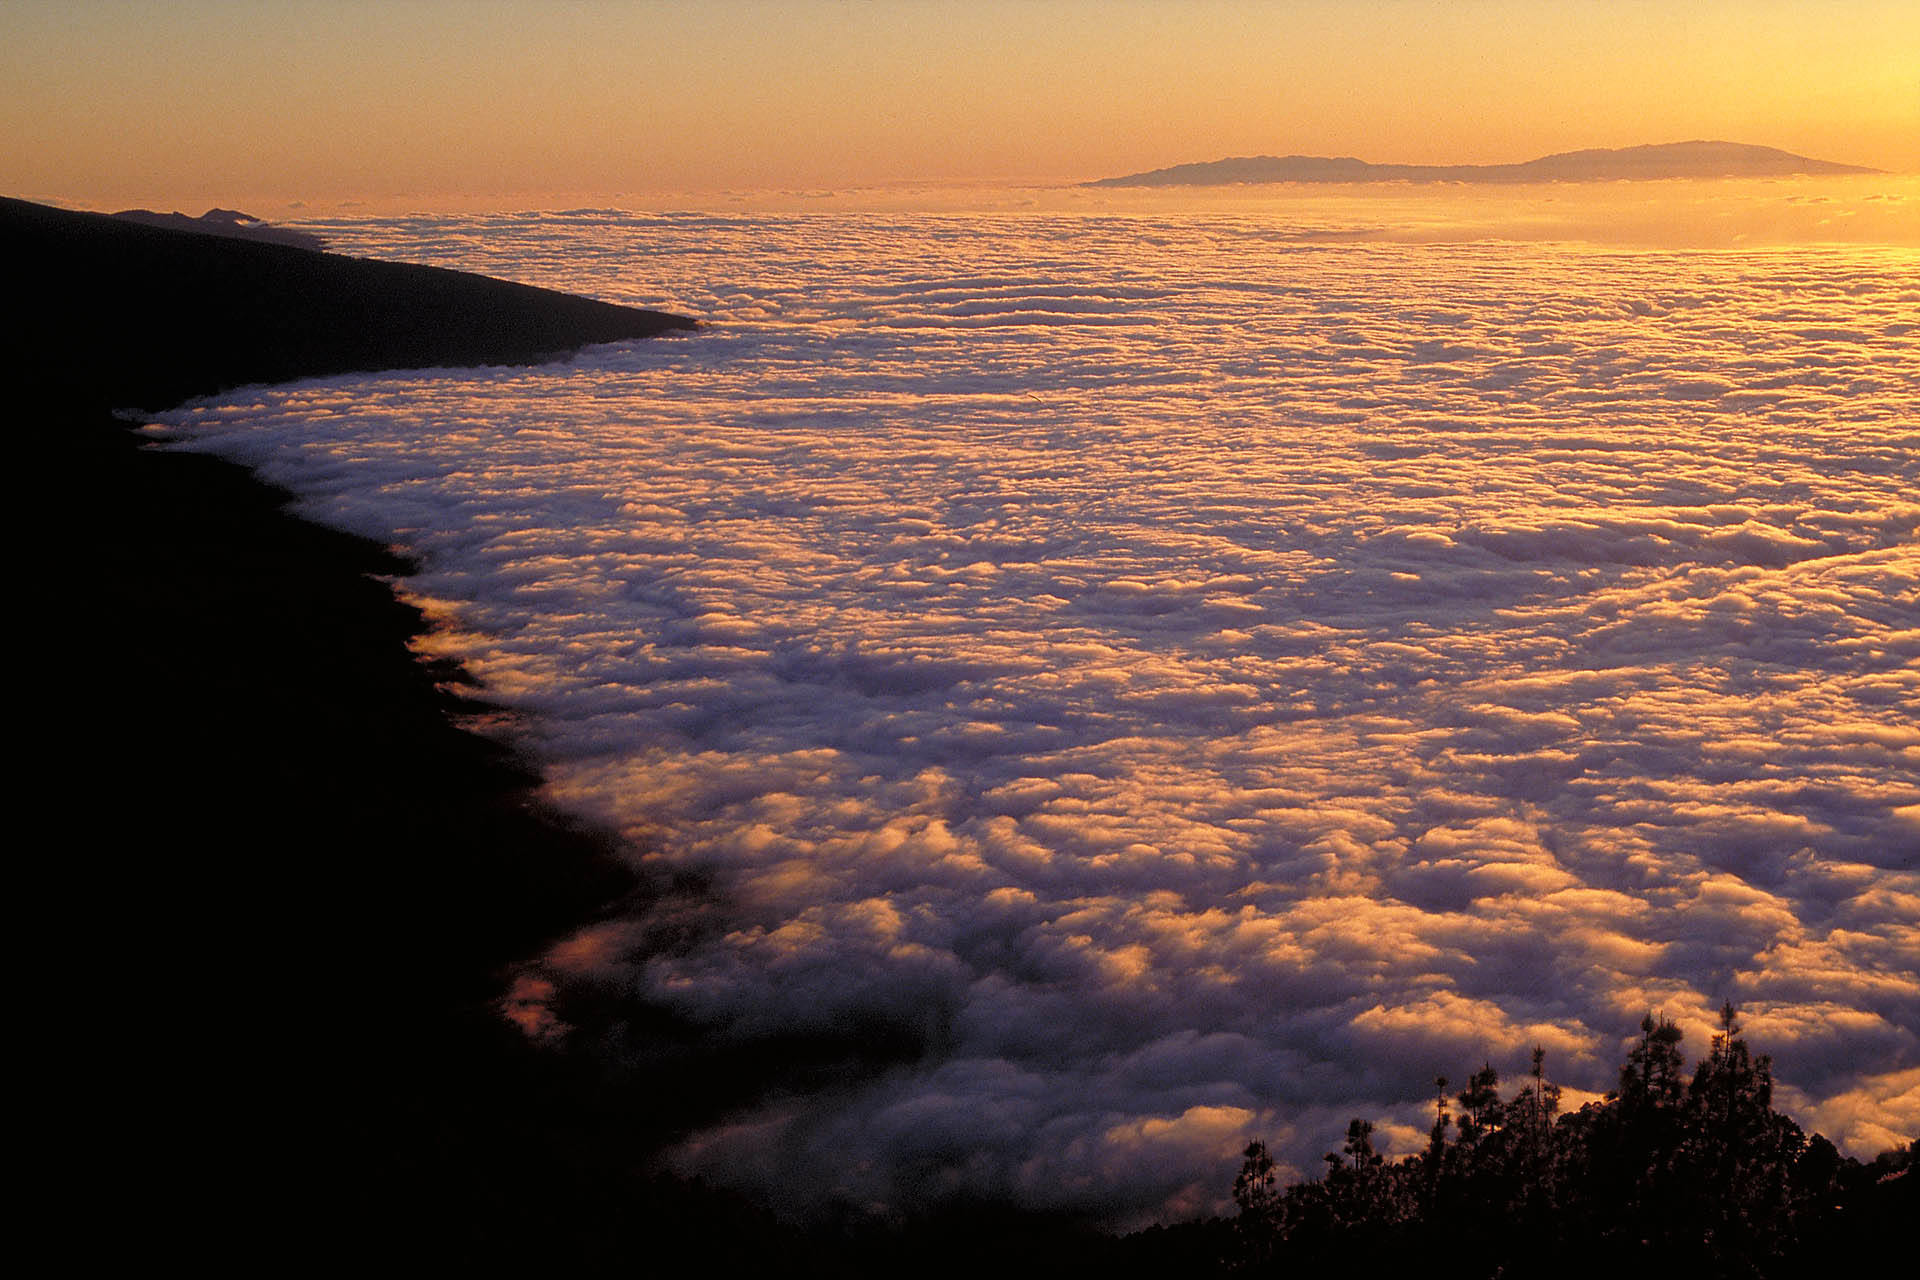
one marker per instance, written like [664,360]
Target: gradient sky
[113,102]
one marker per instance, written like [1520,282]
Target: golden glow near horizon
[299,100]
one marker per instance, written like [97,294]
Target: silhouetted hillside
[119,315]
[1665,160]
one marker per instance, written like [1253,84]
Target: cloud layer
[1199,679]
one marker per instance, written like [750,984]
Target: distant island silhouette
[1600,164]
[224,222]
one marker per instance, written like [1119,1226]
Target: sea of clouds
[1203,678]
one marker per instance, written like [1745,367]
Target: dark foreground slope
[272,886]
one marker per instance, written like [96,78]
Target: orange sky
[186,104]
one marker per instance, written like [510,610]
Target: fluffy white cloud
[1196,682]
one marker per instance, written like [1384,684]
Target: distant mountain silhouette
[223,222]
[1665,160]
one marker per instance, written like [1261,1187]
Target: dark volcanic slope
[131,316]
[1666,160]
[275,885]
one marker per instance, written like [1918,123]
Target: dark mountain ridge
[1629,164]
[224,222]
[115,314]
